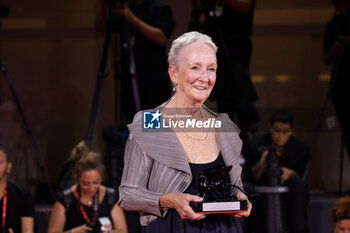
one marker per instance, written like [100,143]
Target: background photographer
[336,52]
[16,202]
[151,23]
[293,156]
[230,24]
[79,209]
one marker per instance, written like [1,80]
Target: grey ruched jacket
[155,163]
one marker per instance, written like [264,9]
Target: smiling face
[89,182]
[195,74]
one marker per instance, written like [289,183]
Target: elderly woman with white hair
[161,166]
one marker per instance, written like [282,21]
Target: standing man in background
[230,24]
[336,50]
[151,24]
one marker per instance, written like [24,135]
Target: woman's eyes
[95,182]
[211,69]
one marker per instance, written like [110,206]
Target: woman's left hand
[242,196]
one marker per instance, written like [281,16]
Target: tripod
[27,128]
[113,138]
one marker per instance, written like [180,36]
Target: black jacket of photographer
[296,155]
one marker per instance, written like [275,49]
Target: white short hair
[186,39]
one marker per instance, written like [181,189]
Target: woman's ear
[172,74]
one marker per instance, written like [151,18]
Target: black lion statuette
[211,185]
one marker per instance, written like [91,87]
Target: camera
[95,226]
[101,225]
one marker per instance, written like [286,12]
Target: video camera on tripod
[112,21]
[273,170]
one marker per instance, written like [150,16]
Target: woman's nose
[204,75]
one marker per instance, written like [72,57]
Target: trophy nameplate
[219,207]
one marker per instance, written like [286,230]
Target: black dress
[213,223]
[74,216]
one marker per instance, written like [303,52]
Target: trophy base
[219,207]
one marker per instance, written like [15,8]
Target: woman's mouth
[200,88]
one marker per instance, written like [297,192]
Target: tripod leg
[97,94]
[132,67]
[117,80]
[341,166]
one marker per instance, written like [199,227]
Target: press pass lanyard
[4,207]
[82,210]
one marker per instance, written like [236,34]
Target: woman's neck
[179,102]
[86,199]
[83,195]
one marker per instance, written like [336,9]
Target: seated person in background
[341,215]
[74,210]
[16,202]
[293,156]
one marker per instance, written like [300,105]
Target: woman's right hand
[81,229]
[181,203]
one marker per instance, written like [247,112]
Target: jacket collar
[167,149]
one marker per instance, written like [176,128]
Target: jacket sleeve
[134,195]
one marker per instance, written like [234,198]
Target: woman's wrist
[165,200]
[161,201]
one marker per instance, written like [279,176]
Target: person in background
[16,201]
[336,51]
[86,204]
[341,215]
[230,24]
[151,24]
[293,157]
